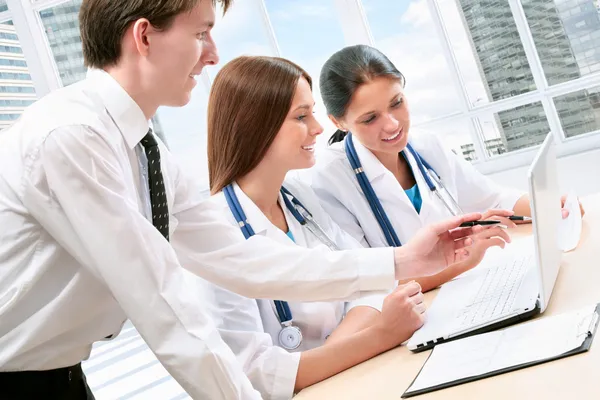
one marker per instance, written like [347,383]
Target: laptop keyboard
[497,293]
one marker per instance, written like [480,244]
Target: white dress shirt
[251,327]
[78,255]
[335,183]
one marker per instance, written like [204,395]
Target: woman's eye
[369,120]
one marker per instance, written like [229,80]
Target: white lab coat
[251,328]
[335,183]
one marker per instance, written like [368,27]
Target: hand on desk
[565,212]
[402,314]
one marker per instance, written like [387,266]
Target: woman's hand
[402,314]
[439,245]
[491,236]
[565,212]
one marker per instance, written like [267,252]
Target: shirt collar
[259,221]
[126,113]
[371,165]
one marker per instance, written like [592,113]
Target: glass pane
[579,112]
[62,30]
[321,37]
[514,129]
[3,6]
[455,135]
[567,36]
[16,86]
[185,128]
[487,48]
[404,31]
[493,41]
[241,31]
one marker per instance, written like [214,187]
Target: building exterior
[16,87]
[567,37]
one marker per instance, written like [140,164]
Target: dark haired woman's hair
[345,71]
[249,100]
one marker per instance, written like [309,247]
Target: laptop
[519,282]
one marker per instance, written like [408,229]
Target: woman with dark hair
[260,127]
[377,182]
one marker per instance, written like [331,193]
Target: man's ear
[141,31]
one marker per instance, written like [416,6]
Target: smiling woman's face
[378,116]
[294,145]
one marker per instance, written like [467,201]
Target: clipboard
[589,331]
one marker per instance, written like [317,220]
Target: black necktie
[158,196]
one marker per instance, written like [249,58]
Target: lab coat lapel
[295,227]
[432,209]
[394,200]
[260,223]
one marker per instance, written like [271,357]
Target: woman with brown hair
[260,127]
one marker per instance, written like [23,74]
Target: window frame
[356,29]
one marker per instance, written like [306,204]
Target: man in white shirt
[97,220]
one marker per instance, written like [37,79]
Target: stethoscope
[290,336]
[432,179]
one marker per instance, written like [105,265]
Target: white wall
[578,172]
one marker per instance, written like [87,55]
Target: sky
[308,32]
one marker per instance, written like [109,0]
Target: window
[490,77]
[405,32]
[579,112]
[61,26]
[456,135]
[17,89]
[562,31]
[488,50]
[9,117]
[16,103]
[16,86]
[513,129]
[12,75]
[241,32]
[322,36]
[10,49]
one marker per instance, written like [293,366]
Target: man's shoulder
[77,104]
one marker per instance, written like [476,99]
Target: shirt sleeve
[271,370]
[208,245]
[74,185]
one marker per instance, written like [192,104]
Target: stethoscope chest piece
[290,337]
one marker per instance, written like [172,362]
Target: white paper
[569,229]
[519,344]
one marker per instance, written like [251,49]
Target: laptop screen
[546,213]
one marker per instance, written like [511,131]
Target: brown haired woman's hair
[102,23]
[249,100]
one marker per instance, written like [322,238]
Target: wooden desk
[389,375]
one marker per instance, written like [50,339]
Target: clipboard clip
[587,329]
